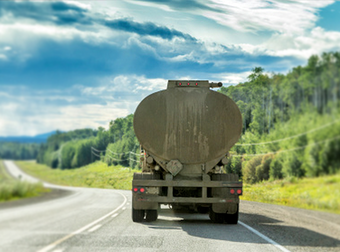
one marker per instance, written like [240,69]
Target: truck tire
[232,218]
[216,217]
[151,215]
[137,215]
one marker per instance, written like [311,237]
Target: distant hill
[27,139]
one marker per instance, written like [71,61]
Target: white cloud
[291,27]
[288,26]
[231,78]
[64,118]
[38,117]
[33,32]
[303,45]
[113,86]
[3,57]
[75,108]
[89,115]
[257,15]
[80,4]
[156,84]
[150,4]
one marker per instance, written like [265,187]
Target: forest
[77,148]
[290,127]
[16,151]
[290,122]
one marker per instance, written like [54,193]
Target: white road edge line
[52,245]
[58,250]
[264,237]
[115,215]
[94,228]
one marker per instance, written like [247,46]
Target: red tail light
[239,191]
[232,191]
[138,189]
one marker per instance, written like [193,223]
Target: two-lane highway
[100,220]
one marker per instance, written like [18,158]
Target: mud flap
[139,204]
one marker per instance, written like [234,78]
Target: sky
[80,64]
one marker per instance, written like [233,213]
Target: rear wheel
[216,217]
[232,218]
[151,215]
[137,215]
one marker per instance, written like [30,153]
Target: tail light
[236,191]
[139,189]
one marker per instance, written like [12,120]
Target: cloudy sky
[76,64]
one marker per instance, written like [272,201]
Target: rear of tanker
[185,133]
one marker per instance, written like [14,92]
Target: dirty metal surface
[192,125]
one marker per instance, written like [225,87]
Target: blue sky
[76,64]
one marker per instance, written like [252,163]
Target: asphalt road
[85,219]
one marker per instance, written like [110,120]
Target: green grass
[12,189]
[322,193]
[97,175]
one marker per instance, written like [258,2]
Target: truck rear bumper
[170,200]
[186,183]
[222,188]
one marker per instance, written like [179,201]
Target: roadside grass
[322,193]
[96,175]
[12,189]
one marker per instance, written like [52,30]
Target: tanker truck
[185,133]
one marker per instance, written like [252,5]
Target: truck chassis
[218,193]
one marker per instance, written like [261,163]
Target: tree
[256,73]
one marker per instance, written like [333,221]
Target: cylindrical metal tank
[194,125]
